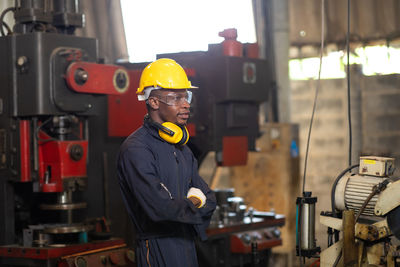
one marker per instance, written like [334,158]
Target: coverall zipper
[179,193]
[177,173]
[166,189]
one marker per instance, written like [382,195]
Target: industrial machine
[365,209]
[63,116]
[225,110]
[232,85]
[232,82]
[238,236]
[51,85]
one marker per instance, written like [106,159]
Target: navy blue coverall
[155,177]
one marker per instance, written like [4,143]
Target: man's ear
[153,103]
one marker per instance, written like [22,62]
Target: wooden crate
[271,178]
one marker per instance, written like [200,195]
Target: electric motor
[353,189]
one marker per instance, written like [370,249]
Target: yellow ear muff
[185,136]
[173,133]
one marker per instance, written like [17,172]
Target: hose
[2,18]
[334,214]
[334,187]
[375,190]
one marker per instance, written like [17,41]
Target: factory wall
[375,128]
[381,116]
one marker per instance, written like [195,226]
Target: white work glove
[195,192]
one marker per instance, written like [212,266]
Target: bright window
[378,60]
[157,26]
[308,68]
[374,60]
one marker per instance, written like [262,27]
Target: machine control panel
[376,166]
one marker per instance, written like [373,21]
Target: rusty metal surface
[104,253]
[350,252]
[70,206]
[66,229]
[245,225]
[43,253]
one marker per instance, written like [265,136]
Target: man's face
[173,105]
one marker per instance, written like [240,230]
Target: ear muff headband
[165,130]
[172,133]
[185,137]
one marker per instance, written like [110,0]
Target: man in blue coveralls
[167,200]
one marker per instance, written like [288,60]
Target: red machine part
[92,78]
[60,160]
[24,139]
[191,127]
[126,112]
[113,256]
[190,72]
[265,239]
[112,252]
[231,46]
[252,50]
[234,150]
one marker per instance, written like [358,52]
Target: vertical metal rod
[77,6]
[69,199]
[105,184]
[86,129]
[69,216]
[86,135]
[66,198]
[255,258]
[35,144]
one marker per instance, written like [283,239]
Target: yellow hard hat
[164,73]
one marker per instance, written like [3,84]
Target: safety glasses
[174,99]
